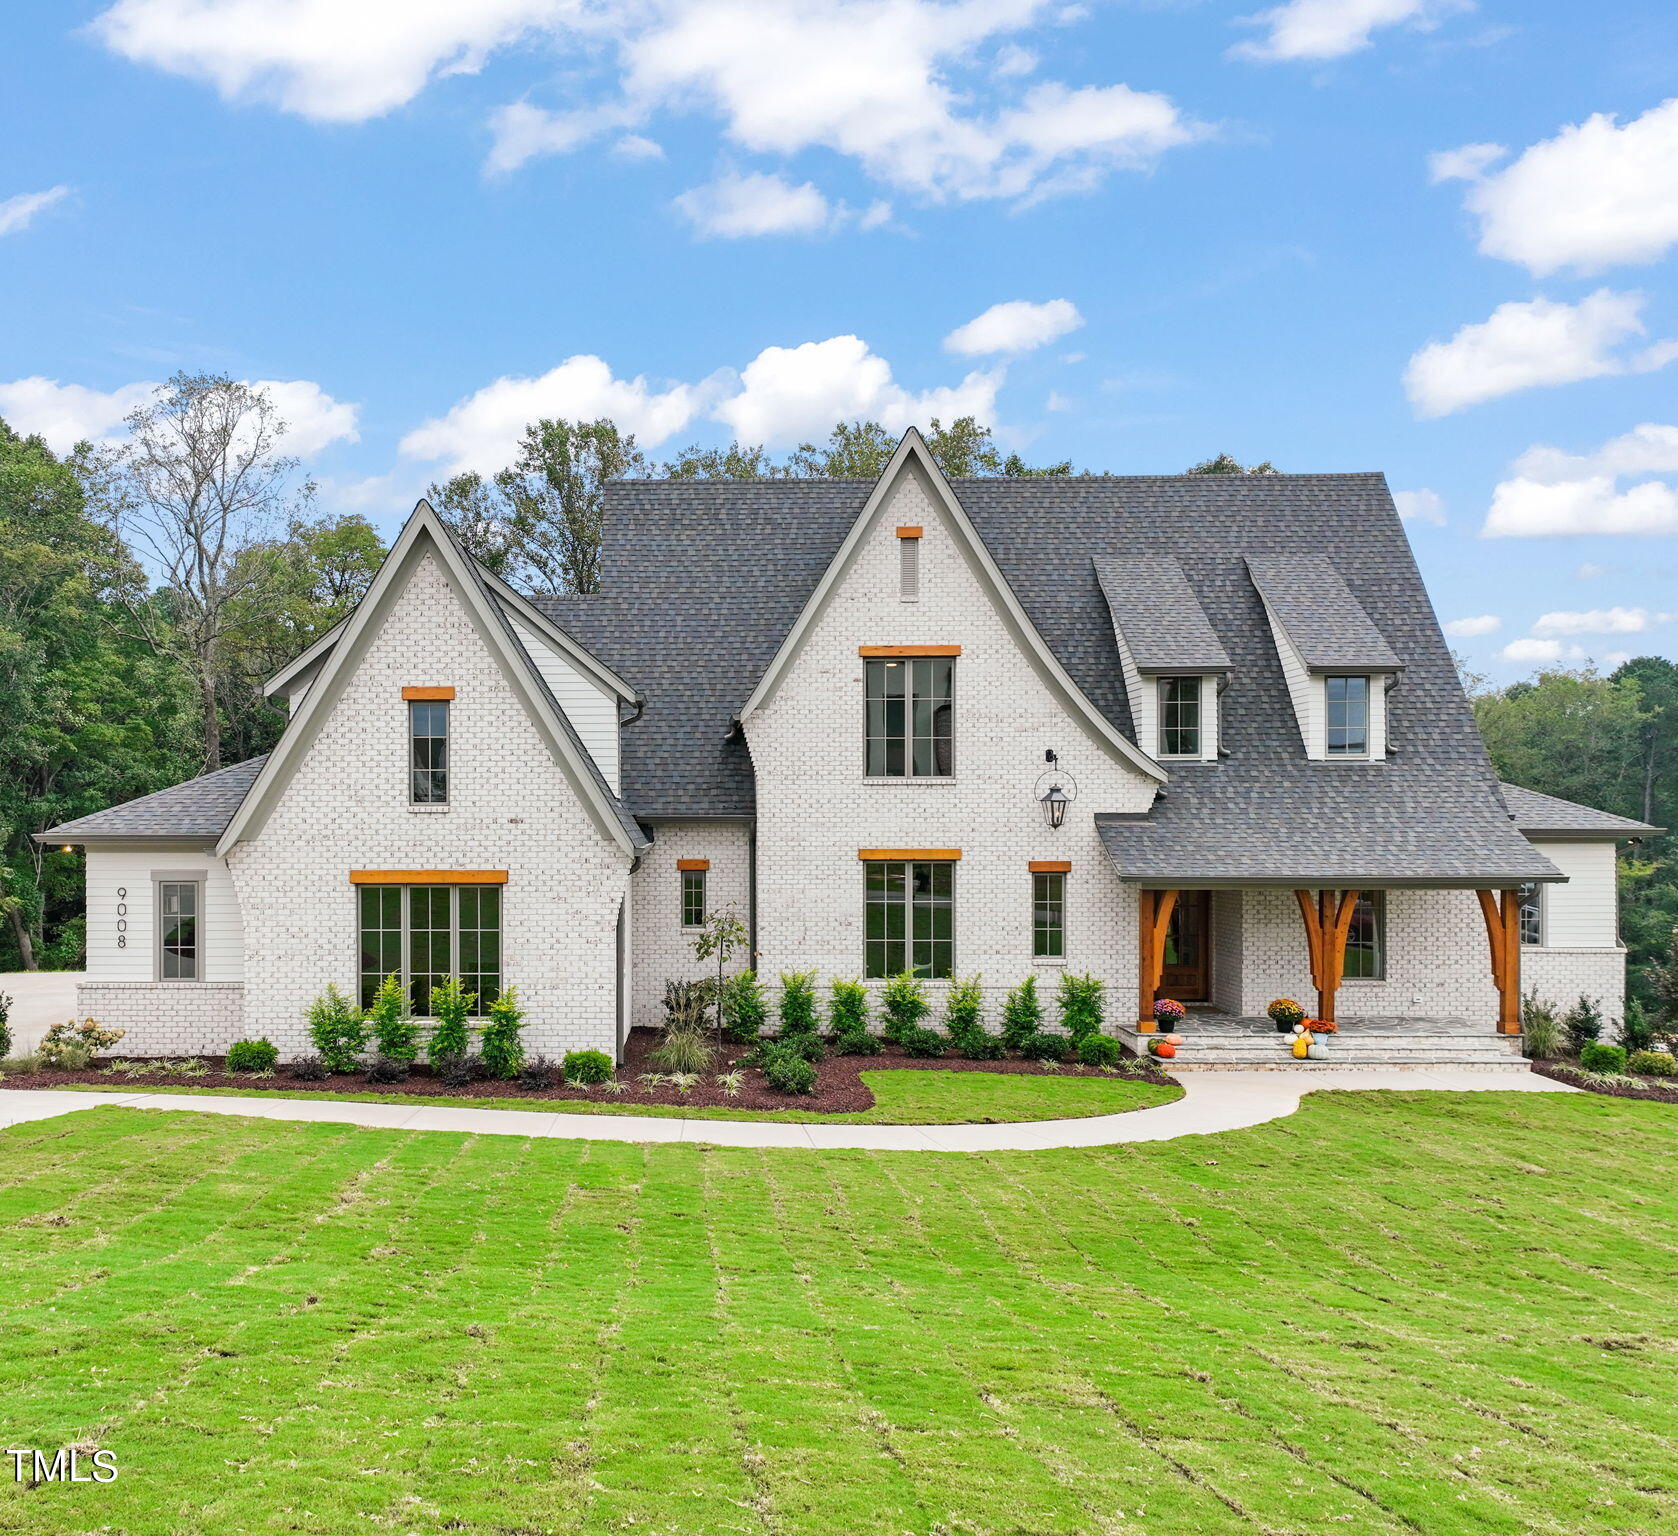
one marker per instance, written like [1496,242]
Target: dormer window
[1179,716]
[1346,716]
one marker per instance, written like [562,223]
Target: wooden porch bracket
[1327,921]
[1502,912]
[1153,921]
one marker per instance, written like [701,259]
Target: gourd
[1301,1046]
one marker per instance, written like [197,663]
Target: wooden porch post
[1153,920]
[1502,912]
[1326,925]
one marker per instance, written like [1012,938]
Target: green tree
[735,462]
[1227,464]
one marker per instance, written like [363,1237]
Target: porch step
[1419,1049]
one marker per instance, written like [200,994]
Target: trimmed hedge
[1595,1056]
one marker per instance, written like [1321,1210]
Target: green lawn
[902,1096]
[1439,1313]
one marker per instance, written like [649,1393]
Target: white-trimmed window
[1180,722]
[1346,715]
[1366,939]
[424,933]
[180,906]
[1531,900]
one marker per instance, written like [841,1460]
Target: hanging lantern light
[1054,803]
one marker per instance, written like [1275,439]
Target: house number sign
[122,917]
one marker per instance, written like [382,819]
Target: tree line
[148,588]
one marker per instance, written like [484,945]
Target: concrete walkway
[40,999]
[1212,1101]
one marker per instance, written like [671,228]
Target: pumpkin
[1173,1039]
[1165,1048]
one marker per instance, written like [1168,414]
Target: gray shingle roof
[1159,617]
[702,579]
[1536,813]
[200,807]
[1327,625]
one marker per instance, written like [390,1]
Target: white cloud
[1330,29]
[635,146]
[1549,492]
[481,432]
[1481,624]
[1468,162]
[928,95]
[1524,345]
[1533,651]
[1590,570]
[18,213]
[1617,620]
[1423,506]
[789,393]
[1595,195]
[1016,326]
[66,414]
[734,206]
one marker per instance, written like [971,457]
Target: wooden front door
[1188,962]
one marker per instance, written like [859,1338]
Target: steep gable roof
[198,808]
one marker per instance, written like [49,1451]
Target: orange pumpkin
[1165,1048]
[1173,1039]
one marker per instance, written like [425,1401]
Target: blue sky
[1436,239]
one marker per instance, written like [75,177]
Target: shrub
[964,1007]
[458,1071]
[687,1006]
[67,1056]
[1022,1014]
[730,1083]
[861,1043]
[338,1030]
[1099,1051]
[502,1049]
[1595,1056]
[847,1014]
[309,1069]
[923,1042]
[5,1027]
[1636,1032]
[1582,1023]
[389,1069]
[981,1045]
[809,1047]
[69,1047]
[585,1068]
[1043,1047]
[252,1056]
[1081,1009]
[1541,1033]
[798,1002]
[786,1071]
[744,1008]
[1652,1064]
[391,1023]
[539,1075]
[451,1007]
[682,1050]
[903,1002]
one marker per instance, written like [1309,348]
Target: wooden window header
[428,877]
[884,855]
[435,695]
[1050,866]
[909,531]
[693,863]
[908,650]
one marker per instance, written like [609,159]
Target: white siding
[1305,690]
[592,712]
[114,871]
[1583,913]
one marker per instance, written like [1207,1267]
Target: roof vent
[909,565]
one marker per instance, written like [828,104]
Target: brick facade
[171,1018]
[662,946]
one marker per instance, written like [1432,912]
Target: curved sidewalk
[1212,1101]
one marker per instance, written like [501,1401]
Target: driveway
[40,999]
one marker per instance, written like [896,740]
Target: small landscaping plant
[798,1003]
[5,1026]
[964,1019]
[683,1050]
[338,1030]
[252,1056]
[1081,1007]
[847,1015]
[785,1070]
[744,1008]
[1598,1056]
[1043,1046]
[1022,1014]
[1582,1023]
[69,1047]
[391,1023]
[1540,1031]
[1637,1033]
[583,1069]
[309,1069]
[730,1083]
[503,1051]
[722,935]
[388,1069]
[1100,1051]
[687,1015]
[539,1075]
[1168,1012]
[451,1036]
[1284,1013]
[903,1004]
[1652,1063]
[923,1042]
[459,1071]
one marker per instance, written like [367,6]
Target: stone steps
[1418,1049]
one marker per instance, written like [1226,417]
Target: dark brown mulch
[839,1085]
[1661,1090]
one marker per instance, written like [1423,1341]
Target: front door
[1188,971]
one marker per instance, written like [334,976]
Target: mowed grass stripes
[1390,1313]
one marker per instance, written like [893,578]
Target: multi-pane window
[1347,701]
[910,716]
[693,898]
[909,918]
[428,735]
[424,933]
[1179,717]
[1048,915]
[1366,939]
[177,929]
[1531,899]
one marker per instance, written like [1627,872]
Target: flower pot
[1283,1027]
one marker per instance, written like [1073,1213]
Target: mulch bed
[1662,1090]
[839,1085]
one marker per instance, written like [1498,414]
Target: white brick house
[850,711]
